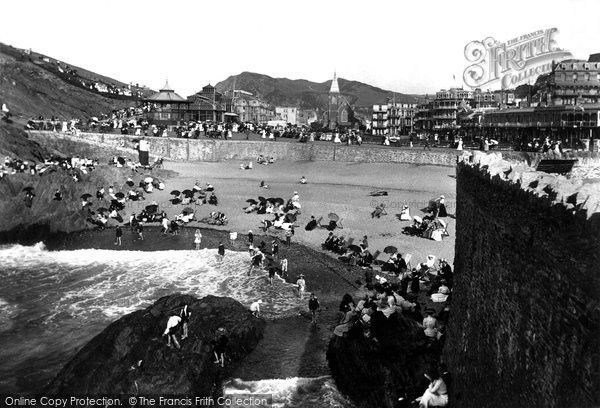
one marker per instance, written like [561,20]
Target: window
[574,77]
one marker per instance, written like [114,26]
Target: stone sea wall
[525,324]
[215,150]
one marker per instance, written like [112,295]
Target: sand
[342,188]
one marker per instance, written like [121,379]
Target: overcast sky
[409,47]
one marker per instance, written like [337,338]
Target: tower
[333,103]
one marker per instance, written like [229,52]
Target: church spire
[335,88]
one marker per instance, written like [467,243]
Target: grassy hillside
[307,94]
[31,87]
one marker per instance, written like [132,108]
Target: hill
[307,94]
[33,84]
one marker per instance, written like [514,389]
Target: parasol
[390,250]
[188,193]
[188,210]
[252,201]
[101,210]
[278,201]
[152,208]
[120,195]
[262,199]
[28,188]
[121,160]
[85,196]
[333,217]
[129,183]
[354,248]
[175,192]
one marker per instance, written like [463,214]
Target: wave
[292,392]
[88,282]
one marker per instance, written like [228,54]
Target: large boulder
[376,373]
[110,362]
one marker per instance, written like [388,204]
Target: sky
[402,46]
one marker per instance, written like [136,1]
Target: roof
[166,94]
[335,88]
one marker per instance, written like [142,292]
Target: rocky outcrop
[377,373]
[131,357]
[15,143]
[46,216]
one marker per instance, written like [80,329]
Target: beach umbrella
[188,210]
[278,201]
[290,217]
[85,196]
[333,217]
[148,179]
[390,250]
[188,193]
[262,199]
[152,208]
[121,160]
[354,248]
[175,201]
[28,188]
[252,201]
[120,195]
[175,192]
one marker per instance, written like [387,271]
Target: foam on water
[292,392]
[114,283]
[54,302]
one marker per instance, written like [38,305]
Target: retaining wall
[214,150]
[524,328]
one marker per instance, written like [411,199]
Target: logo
[512,63]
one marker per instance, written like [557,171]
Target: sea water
[53,302]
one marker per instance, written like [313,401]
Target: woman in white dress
[460,144]
[197,238]
[436,394]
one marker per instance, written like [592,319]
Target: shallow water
[53,303]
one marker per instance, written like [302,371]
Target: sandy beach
[342,188]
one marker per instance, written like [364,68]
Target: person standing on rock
[172,327]
[255,308]
[250,237]
[301,284]
[185,319]
[284,267]
[220,344]
[314,307]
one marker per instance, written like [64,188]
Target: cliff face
[376,374]
[109,363]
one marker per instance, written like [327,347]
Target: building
[573,82]
[393,118]
[169,108]
[339,113]
[307,116]
[250,108]
[568,108]
[209,105]
[288,114]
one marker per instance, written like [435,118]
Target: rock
[110,362]
[376,374]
